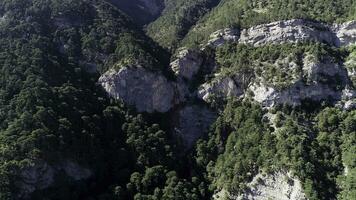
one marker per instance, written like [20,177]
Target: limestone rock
[136,86]
[220,37]
[219,88]
[291,31]
[346,33]
[187,64]
[192,122]
[319,81]
[278,186]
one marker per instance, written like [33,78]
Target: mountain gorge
[163,99]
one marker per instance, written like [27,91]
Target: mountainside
[176,100]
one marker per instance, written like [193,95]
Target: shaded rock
[291,31]
[136,86]
[187,64]
[42,175]
[192,122]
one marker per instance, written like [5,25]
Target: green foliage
[278,65]
[176,20]
[244,144]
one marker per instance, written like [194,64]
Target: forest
[52,111]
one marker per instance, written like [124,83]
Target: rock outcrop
[219,88]
[192,122]
[220,37]
[42,175]
[276,186]
[187,64]
[346,33]
[292,31]
[136,86]
[319,80]
[288,31]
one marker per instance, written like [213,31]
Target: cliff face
[289,31]
[145,90]
[279,186]
[306,78]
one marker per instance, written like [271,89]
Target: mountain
[153,99]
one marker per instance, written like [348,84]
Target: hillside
[177,100]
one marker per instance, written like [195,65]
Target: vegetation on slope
[247,13]
[177,18]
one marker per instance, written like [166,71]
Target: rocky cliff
[136,86]
[289,31]
[278,186]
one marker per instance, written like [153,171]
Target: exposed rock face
[346,33]
[42,175]
[219,88]
[319,81]
[287,31]
[348,100]
[277,186]
[192,122]
[220,37]
[294,95]
[187,64]
[136,86]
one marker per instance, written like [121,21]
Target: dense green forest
[53,111]
[177,18]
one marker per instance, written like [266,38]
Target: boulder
[146,90]
[187,64]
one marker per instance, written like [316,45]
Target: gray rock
[220,37]
[288,31]
[41,175]
[192,122]
[219,88]
[346,33]
[187,64]
[136,86]
[277,186]
[319,81]
[291,31]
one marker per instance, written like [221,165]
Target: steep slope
[60,136]
[176,20]
[142,11]
[258,103]
[244,14]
